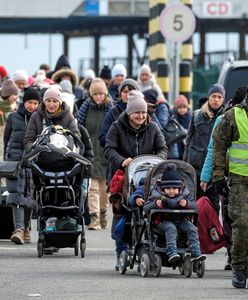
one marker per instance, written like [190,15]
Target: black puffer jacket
[64,118]
[124,141]
[14,134]
[198,136]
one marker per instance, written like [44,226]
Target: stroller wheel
[144,265]
[40,249]
[83,248]
[76,246]
[123,262]
[180,267]
[200,268]
[156,268]
[187,266]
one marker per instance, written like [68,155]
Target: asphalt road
[63,276]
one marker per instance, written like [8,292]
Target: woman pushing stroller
[170,193]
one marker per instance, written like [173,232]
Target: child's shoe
[196,255]
[173,257]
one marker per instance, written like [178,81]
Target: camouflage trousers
[238,212]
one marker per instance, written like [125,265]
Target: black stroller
[150,248]
[58,172]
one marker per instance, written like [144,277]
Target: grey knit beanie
[136,102]
[129,81]
[216,88]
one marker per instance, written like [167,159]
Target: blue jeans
[21,217]
[170,229]
[119,244]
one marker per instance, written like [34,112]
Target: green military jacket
[225,133]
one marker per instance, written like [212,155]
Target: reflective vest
[238,152]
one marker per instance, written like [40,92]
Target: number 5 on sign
[177,22]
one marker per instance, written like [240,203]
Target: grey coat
[35,126]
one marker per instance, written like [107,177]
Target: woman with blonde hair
[91,115]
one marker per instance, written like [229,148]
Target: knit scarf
[5,109]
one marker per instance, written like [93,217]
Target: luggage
[6,218]
[211,233]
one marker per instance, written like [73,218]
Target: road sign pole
[177,24]
[175,91]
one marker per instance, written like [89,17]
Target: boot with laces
[95,222]
[239,279]
[27,235]
[103,219]
[18,237]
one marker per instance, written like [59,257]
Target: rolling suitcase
[6,219]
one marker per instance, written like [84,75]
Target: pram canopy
[185,170]
[138,169]
[57,149]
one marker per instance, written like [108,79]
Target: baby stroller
[136,172]
[150,247]
[58,170]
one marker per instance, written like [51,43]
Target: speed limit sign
[177,22]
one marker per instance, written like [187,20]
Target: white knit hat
[20,75]
[119,69]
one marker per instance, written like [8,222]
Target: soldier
[232,136]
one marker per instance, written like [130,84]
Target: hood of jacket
[64,111]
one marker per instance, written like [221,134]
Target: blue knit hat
[151,96]
[216,88]
[171,178]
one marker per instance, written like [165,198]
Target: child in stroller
[150,247]
[171,193]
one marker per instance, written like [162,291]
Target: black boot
[239,279]
[228,265]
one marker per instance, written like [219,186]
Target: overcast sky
[29,51]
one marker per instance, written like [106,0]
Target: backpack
[211,233]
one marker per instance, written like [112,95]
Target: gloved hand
[221,187]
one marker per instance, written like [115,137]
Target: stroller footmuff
[58,192]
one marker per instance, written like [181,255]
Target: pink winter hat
[53,93]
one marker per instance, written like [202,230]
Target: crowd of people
[119,118]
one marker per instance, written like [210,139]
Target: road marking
[34,248]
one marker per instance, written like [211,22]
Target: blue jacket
[162,117]
[206,172]
[138,193]
[171,203]
[110,117]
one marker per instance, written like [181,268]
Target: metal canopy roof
[38,9]
[82,26]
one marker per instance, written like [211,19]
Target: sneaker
[103,219]
[199,257]
[27,236]
[18,237]
[239,279]
[95,222]
[174,258]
